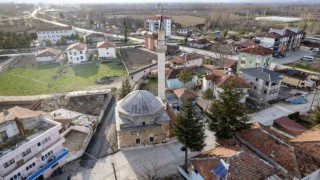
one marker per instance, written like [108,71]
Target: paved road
[205,52]
[292,56]
[99,144]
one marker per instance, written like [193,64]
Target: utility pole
[114,171]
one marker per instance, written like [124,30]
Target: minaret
[161,51]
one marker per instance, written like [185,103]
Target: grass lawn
[47,79]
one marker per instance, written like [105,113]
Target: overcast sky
[150,1]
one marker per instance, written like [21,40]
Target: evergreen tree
[315,114]
[208,94]
[227,114]
[185,75]
[125,89]
[189,129]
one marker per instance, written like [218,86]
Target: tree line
[10,40]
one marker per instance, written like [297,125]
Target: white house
[48,55]
[173,82]
[77,53]
[32,146]
[106,49]
[153,24]
[188,60]
[215,80]
[53,33]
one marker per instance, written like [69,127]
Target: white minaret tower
[161,51]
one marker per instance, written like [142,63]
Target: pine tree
[185,75]
[125,89]
[189,129]
[227,115]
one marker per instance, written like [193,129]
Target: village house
[265,84]
[297,78]
[150,41]
[53,33]
[48,55]
[153,24]
[106,50]
[77,53]
[281,40]
[141,119]
[200,43]
[215,80]
[175,100]
[173,82]
[188,60]
[31,145]
[254,56]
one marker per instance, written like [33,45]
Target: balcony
[48,165]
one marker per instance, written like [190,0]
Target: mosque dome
[141,102]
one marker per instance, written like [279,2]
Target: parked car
[307,58]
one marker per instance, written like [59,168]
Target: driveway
[292,56]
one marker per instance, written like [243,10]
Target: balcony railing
[48,165]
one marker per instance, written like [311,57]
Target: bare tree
[151,168]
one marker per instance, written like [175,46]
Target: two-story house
[53,33]
[77,53]
[264,82]
[215,80]
[188,60]
[106,50]
[31,145]
[254,56]
[153,24]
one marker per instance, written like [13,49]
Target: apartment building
[53,33]
[31,146]
[153,24]
[254,56]
[77,53]
[264,82]
[281,40]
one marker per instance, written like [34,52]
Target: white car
[307,58]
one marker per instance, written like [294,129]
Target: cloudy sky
[149,1]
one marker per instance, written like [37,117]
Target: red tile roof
[172,73]
[185,58]
[77,46]
[48,52]
[19,112]
[221,78]
[229,63]
[105,44]
[184,93]
[245,44]
[290,125]
[257,50]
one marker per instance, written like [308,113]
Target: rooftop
[228,63]
[19,112]
[290,125]
[257,50]
[105,44]
[76,117]
[262,73]
[200,41]
[48,52]
[221,78]
[184,93]
[184,58]
[77,46]
[87,93]
[245,44]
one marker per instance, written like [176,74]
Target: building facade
[281,40]
[32,145]
[53,33]
[106,50]
[265,84]
[141,119]
[153,24]
[254,56]
[48,55]
[77,53]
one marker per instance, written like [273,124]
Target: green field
[47,79]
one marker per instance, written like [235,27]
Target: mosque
[141,117]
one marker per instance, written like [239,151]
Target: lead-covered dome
[141,102]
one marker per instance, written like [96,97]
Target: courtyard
[53,78]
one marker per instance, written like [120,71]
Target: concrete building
[153,24]
[106,50]
[215,80]
[31,146]
[48,55]
[200,43]
[265,84]
[161,51]
[53,33]
[141,119]
[77,53]
[150,41]
[281,40]
[188,60]
[254,56]
[185,31]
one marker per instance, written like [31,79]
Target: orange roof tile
[221,78]
[184,93]
[77,46]
[19,112]
[257,50]
[290,125]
